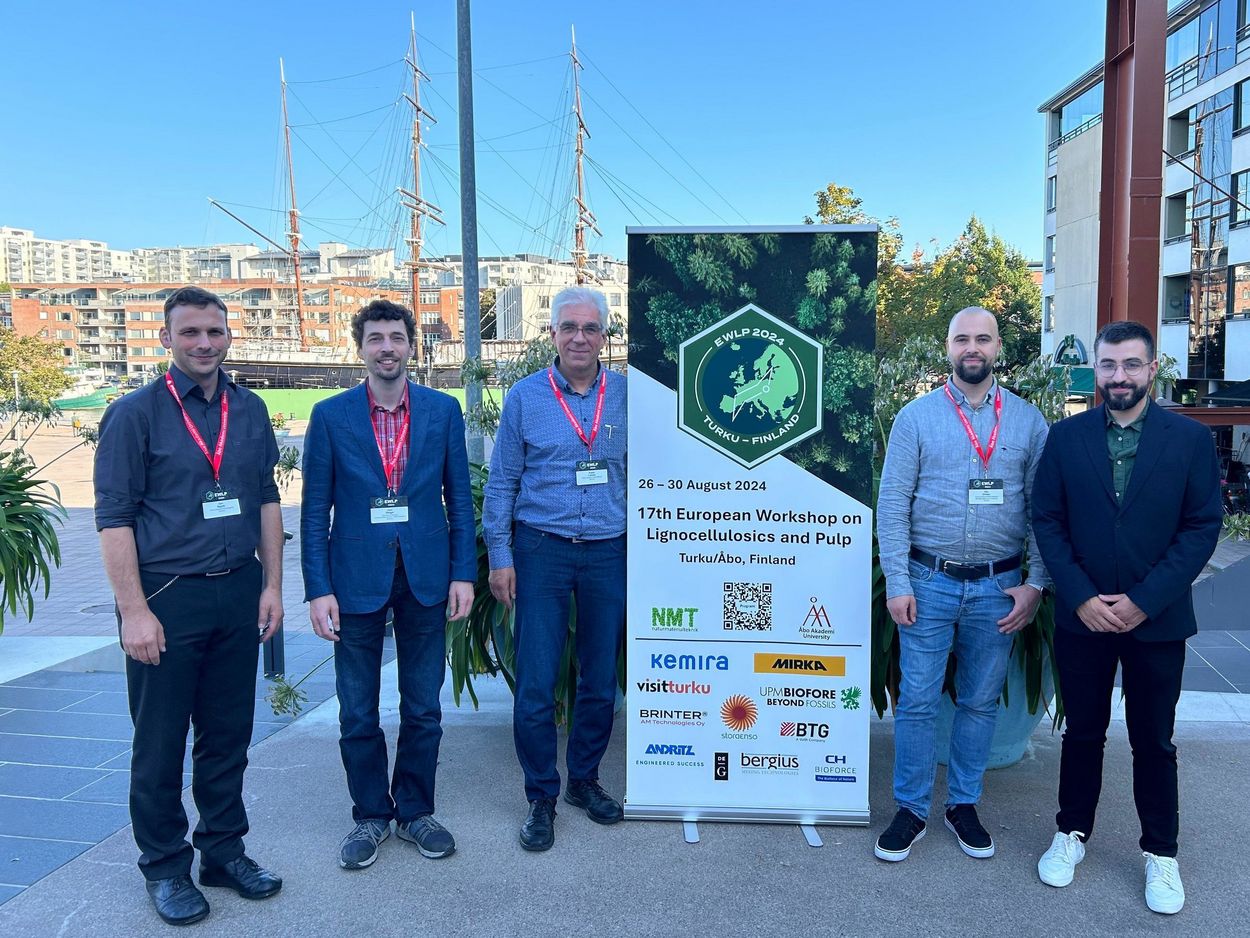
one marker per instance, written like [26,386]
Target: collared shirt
[386,427]
[151,476]
[533,467]
[923,500]
[1122,449]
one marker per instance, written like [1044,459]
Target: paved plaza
[67,859]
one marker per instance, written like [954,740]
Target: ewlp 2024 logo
[750,386]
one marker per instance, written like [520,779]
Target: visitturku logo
[750,386]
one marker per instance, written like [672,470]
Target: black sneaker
[600,807]
[973,838]
[429,836]
[539,830]
[895,842]
[360,848]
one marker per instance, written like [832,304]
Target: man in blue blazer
[1126,510]
[388,458]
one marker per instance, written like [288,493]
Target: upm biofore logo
[814,665]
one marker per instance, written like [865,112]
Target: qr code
[749,607]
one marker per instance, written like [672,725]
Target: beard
[973,371]
[1136,393]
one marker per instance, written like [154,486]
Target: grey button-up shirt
[923,501]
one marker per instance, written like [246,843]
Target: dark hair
[192,296]
[383,310]
[1114,333]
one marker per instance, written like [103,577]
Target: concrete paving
[641,878]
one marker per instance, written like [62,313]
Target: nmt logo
[669,749]
[814,665]
[673,619]
[692,662]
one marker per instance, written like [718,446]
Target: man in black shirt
[184,500]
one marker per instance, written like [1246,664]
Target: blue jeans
[965,614]
[549,571]
[420,650]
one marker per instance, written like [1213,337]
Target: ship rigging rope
[339,120]
[655,130]
[368,71]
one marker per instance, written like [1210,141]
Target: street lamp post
[17,394]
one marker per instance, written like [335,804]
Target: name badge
[219,503]
[985,491]
[592,471]
[388,509]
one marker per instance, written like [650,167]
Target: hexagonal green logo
[750,386]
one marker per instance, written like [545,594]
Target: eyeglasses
[591,330]
[1132,368]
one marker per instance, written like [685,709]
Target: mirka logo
[750,386]
[814,665]
[739,713]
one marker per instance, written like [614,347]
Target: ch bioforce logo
[750,386]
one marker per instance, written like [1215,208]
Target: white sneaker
[1164,892]
[1058,864]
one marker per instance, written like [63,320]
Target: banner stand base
[811,835]
[691,831]
[691,814]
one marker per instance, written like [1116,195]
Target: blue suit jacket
[1151,545]
[354,559]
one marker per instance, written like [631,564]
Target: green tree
[41,376]
[919,299]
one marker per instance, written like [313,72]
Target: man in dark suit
[1126,509]
[386,457]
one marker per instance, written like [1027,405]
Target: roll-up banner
[751,431]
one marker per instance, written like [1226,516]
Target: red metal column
[1132,163]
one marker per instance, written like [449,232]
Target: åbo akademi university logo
[750,386]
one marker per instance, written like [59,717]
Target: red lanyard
[401,439]
[215,459]
[986,453]
[594,428]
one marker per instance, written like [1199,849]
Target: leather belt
[966,571]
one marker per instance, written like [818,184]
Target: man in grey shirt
[953,528]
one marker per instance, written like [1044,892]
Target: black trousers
[1151,679]
[206,679]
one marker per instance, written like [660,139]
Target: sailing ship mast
[418,207]
[585,217]
[293,234]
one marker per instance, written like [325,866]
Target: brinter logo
[669,749]
[805,730]
[720,770]
[691,662]
[815,665]
[673,618]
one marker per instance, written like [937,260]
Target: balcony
[1185,76]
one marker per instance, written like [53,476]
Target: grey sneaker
[360,848]
[429,836]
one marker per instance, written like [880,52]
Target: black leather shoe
[177,901]
[244,876]
[600,807]
[539,830]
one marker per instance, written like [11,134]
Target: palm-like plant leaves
[28,539]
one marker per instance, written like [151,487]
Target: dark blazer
[1153,544]
[354,559]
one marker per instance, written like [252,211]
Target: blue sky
[122,118]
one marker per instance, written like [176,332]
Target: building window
[1049,258]
[1176,217]
[1051,186]
[1239,209]
[1241,105]
[1048,313]
[1181,135]
[1176,299]
[544,302]
[1081,109]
